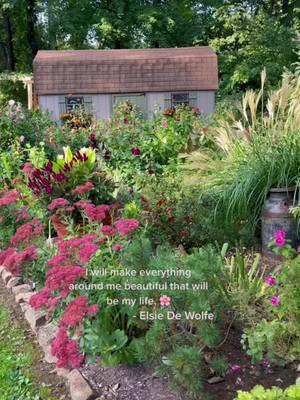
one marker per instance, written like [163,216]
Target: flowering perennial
[126,226]
[27,231]
[9,197]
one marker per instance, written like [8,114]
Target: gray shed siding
[102,104]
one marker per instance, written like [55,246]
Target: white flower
[11,103]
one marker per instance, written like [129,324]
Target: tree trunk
[11,62]
[31,20]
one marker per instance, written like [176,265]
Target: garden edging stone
[78,387]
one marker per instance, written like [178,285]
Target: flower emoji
[165,301]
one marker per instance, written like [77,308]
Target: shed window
[74,103]
[179,99]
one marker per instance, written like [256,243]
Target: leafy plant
[275,393]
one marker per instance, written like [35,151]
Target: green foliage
[219,365]
[277,334]
[185,365]
[246,42]
[258,151]
[260,393]
[17,358]
[12,88]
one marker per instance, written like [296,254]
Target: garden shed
[98,80]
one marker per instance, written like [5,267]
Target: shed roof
[125,71]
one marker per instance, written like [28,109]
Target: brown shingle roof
[125,71]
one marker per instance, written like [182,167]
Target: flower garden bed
[142,257]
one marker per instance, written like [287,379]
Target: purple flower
[275,301]
[270,280]
[135,151]
[235,367]
[298,249]
[150,171]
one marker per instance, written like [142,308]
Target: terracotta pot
[59,227]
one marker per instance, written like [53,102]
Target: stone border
[45,332]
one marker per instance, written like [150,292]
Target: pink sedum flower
[126,226]
[108,230]
[270,280]
[58,203]
[117,247]
[275,301]
[165,301]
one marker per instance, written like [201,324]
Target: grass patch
[17,364]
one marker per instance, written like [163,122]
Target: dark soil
[141,383]
[41,370]
[248,375]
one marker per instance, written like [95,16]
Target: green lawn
[18,360]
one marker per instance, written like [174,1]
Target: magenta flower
[235,367]
[135,151]
[298,249]
[165,301]
[280,234]
[280,241]
[275,301]
[270,280]
[117,247]
[108,230]
[58,203]
[150,171]
[126,226]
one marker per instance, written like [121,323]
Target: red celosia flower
[126,226]
[9,197]
[160,202]
[83,188]
[108,230]
[58,203]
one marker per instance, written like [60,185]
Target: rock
[24,307]
[24,297]
[79,388]
[298,368]
[215,379]
[49,358]
[2,269]
[6,276]
[25,288]
[62,372]
[14,281]
[35,318]
[46,334]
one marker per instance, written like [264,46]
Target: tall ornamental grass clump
[258,149]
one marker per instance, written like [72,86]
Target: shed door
[138,99]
